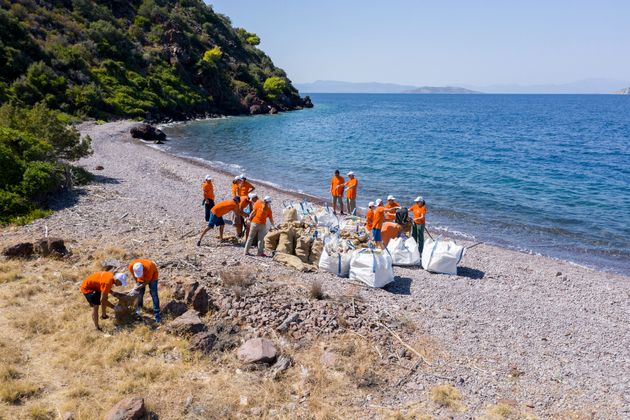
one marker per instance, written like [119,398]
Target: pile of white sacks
[347,252]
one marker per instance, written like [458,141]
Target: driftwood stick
[411,349]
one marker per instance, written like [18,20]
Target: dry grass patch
[10,271]
[447,396]
[316,290]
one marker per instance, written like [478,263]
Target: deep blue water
[546,173]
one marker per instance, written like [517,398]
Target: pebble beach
[548,335]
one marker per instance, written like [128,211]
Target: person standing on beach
[145,272]
[391,208]
[419,211]
[351,192]
[258,227]
[96,288]
[236,186]
[216,216]
[336,190]
[245,205]
[369,218]
[208,195]
[245,188]
[379,219]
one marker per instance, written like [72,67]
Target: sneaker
[262,254]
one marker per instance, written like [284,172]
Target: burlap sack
[286,242]
[271,240]
[303,248]
[316,251]
[125,309]
[289,215]
[292,261]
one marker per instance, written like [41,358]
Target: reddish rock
[131,408]
[186,324]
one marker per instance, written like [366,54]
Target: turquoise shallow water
[544,173]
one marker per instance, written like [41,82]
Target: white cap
[242,176]
[122,277]
[208,178]
[378,201]
[267,199]
[419,198]
[138,270]
[237,178]
[391,197]
[252,195]
[350,173]
[371,204]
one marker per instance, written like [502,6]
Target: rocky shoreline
[543,335]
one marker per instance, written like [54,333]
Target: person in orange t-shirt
[258,228]
[208,195]
[351,192]
[245,205]
[145,272]
[369,218]
[216,216]
[377,224]
[245,187]
[96,288]
[419,211]
[236,186]
[336,190]
[391,207]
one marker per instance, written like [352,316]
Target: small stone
[329,359]
[200,300]
[68,415]
[257,350]
[131,408]
[175,308]
[186,324]
[203,342]
[189,291]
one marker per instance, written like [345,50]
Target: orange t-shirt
[335,189]
[208,190]
[351,192]
[224,207]
[235,189]
[244,202]
[262,213]
[101,281]
[150,272]
[389,231]
[391,215]
[418,211]
[379,217]
[245,188]
[369,219]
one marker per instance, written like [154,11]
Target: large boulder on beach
[147,132]
[21,250]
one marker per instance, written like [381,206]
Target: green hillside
[151,59]
[147,59]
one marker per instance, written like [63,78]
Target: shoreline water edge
[299,195]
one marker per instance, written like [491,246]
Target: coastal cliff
[151,59]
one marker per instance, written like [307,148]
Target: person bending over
[208,195]
[258,228]
[96,288]
[216,216]
[336,190]
[145,272]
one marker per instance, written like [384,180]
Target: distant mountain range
[580,86]
[624,91]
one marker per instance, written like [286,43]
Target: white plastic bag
[325,217]
[404,251]
[372,267]
[336,257]
[441,256]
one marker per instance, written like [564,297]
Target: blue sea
[547,174]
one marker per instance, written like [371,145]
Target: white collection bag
[404,251]
[372,267]
[335,258]
[441,256]
[325,217]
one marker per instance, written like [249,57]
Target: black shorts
[94,298]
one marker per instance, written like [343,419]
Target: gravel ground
[542,334]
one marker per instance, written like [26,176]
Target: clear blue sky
[440,42]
